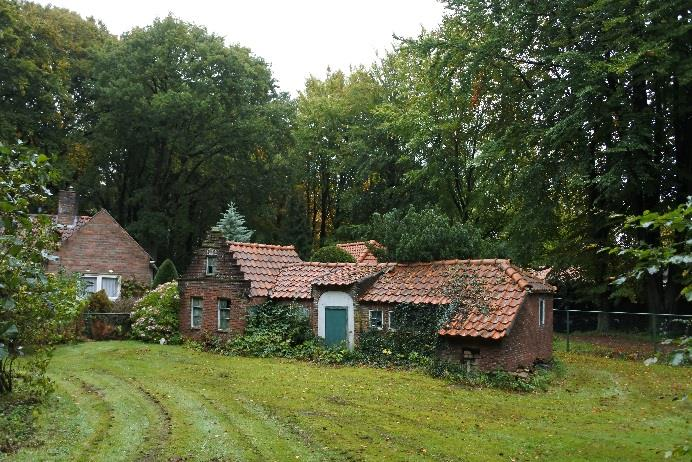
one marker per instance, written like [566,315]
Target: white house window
[541,311]
[195,312]
[211,265]
[224,314]
[376,319]
[108,283]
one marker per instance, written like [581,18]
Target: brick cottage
[346,299]
[98,248]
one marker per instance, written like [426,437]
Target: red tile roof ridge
[484,261]
[524,281]
[262,246]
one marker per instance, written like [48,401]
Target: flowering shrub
[155,315]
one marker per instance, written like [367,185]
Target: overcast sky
[297,37]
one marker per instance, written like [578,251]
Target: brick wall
[526,342]
[102,246]
[227,284]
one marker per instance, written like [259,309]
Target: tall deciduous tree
[185,122]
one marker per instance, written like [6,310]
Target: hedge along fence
[107,326]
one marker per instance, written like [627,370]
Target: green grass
[131,401]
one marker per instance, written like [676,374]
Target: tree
[425,235]
[34,307]
[46,67]
[166,273]
[670,261]
[184,123]
[332,254]
[232,225]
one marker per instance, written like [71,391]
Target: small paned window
[224,315]
[211,265]
[376,319]
[541,311]
[470,358]
[196,312]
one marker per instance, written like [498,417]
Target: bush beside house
[332,254]
[155,315]
[276,329]
[166,273]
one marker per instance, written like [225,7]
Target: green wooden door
[335,324]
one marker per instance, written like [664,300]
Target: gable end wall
[102,246]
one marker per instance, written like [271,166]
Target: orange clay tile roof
[350,274]
[261,263]
[296,281]
[504,285]
[360,251]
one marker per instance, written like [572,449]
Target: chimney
[67,207]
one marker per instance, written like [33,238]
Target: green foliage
[273,329]
[283,330]
[155,315]
[671,253]
[131,288]
[98,302]
[208,123]
[166,273]
[232,225]
[36,309]
[332,254]
[424,235]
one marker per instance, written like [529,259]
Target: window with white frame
[211,265]
[195,312]
[376,319]
[224,314]
[107,282]
[541,311]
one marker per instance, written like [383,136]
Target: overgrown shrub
[155,315]
[131,288]
[283,330]
[273,329]
[166,273]
[98,302]
[332,254]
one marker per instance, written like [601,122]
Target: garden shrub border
[280,329]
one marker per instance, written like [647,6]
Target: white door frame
[334,298]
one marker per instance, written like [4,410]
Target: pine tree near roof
[232,225]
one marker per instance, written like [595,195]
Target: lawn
[131,401]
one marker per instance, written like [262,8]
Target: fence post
[567,330]
[653,332]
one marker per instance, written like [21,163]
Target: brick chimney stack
[67,207]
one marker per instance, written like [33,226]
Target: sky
[297,38]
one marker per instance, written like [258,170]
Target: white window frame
[370,326]
[389,321]
[206,265]
[192,312]
[541,311]
[218,314]
[99,283]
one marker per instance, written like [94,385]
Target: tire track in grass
[207,417]
[134,421]
[78,419]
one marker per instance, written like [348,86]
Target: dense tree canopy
[525,130]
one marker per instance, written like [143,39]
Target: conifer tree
[166,273]
[232,225]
